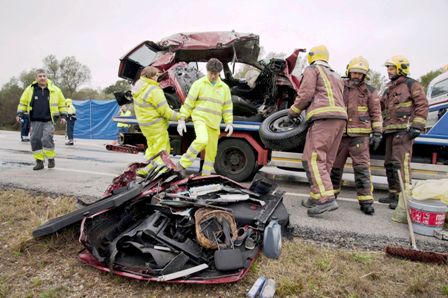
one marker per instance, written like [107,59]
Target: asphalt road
[87,168]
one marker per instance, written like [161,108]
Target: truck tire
[277,132]
[235,159]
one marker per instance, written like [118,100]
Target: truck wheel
[235,160]
[277,132]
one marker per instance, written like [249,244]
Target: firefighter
[45,104]
[364,127]
[153,113]
[208,102]
[71,119]
[405,110]
[320,94]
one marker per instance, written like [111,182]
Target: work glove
[229,129]
[375,140]
[181,127]
[292,114]
[414,132]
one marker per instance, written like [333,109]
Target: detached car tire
[278,132]
[235,159]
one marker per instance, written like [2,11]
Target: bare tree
[27,77]
[377,80]
[51,65]
[72,74]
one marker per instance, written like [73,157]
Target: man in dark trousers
[24,121]
[45,104]
[320,94]
[71,119]
[405,110]
[364,127]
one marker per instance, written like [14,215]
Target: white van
[438,88]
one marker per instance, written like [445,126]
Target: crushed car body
[170,228]
[269,85]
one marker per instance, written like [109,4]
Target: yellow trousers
[206,138]
[156,140]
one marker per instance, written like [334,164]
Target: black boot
[309,203]
[392,197]
[320,208]
[393,205]
[39,165]
[367,207]
[51,163]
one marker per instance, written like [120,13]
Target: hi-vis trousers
[398,157]
[321,146]
[206,138]
[41,139]
[156,140]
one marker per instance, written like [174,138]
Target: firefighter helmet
[318,53]
[358,64]
[401,63]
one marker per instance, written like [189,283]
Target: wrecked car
[170,228]
[266,85]
[258,88]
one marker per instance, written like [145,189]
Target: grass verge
[49,267]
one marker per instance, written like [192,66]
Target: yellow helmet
[318,53]
[358,64]
[401,63]
[68,102]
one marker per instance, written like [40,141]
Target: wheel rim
[283,124]
[234,160]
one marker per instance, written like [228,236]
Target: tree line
[68,74]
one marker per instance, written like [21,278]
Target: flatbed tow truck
[243,154]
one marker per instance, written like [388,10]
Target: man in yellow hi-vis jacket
[45,104]
[152,112]
[208,102]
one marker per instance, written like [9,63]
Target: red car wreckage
[178,229]
[258,88]
[270,88]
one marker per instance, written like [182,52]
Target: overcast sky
[99,32]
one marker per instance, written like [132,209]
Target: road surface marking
[87,172]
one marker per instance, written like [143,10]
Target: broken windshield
[143,55]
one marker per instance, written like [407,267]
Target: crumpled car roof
[204,40]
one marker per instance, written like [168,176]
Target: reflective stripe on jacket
[363,109]
[320,94]
[404,105]
[125,114]
[208,103]
[150,105]
[56,102]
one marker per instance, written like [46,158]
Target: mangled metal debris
[171,228]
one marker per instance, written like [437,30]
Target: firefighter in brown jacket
[320,94]
[405,109]
[364,127]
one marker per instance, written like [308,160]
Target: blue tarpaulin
[94,119]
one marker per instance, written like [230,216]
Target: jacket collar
[149,81]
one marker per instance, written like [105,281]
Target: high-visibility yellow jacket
[71,110]
[56,102]
[125,114]
[150,105]
[208,103]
